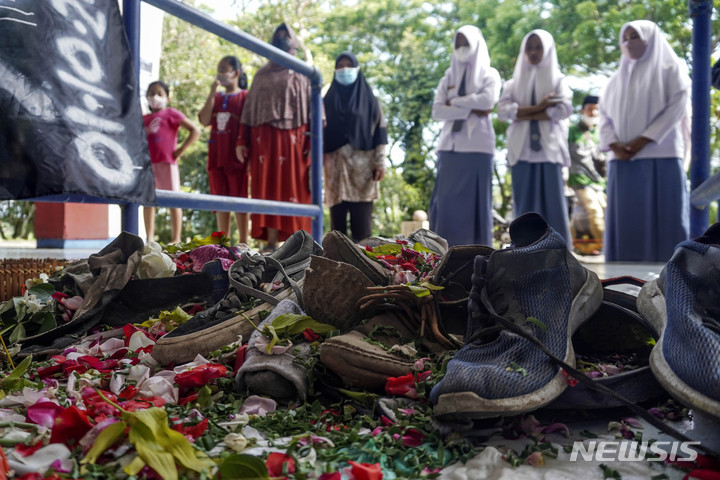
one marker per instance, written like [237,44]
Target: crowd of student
[259,144]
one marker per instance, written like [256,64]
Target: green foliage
[16,219]
[396,198]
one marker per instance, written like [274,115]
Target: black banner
[70,118]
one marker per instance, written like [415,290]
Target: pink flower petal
[44,413]
[633,422]
[261,406]
[557,427]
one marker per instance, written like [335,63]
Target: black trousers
[360,218]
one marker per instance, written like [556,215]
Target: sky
[224,9]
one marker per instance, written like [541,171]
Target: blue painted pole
[700,13]
[316,150]
[131,19]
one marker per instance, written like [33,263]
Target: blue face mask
[346,76]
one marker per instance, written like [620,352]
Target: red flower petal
[128,392]
[200,376]
[97,364]
[44,372]
[310,336]
[240,357]
[193,431]
[412,438]
[330,476]
[26,450]
[275,464]
[400,385]
[132,405]
[366,471]
[70,426]
[187,399]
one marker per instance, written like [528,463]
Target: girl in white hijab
[538,102]
[461,203]
[642,113]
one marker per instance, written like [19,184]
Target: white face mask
[589,121]
[157,102]
[346,76]
[463,54]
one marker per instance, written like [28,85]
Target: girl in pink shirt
[161,127]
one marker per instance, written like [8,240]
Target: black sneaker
[257,284]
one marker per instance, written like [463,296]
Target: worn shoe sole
[651,303]
[361,364]
[184,349]
[463,405]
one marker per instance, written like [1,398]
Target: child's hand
[177,153]
[241,153]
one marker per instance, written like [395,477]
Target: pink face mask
[634,48]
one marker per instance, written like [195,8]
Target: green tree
[16,219]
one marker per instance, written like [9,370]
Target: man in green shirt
[586,175]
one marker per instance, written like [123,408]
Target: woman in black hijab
[355,139]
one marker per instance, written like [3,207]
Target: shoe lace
[419,312]
[711,324]
[486,328]
[248,273]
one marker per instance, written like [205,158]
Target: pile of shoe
[510,319]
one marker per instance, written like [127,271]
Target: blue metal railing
[166,198]
[700,13]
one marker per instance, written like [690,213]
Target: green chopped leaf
[609,472]
[536,322]
[104,440]
[419,247]
[241,466]
[46,320]
[18,333]
[419,291]
[158,445]
[423,289]
[362,397]
[514,367]
[292,324]
[15,381]
[42,291]
[386,249]
[7,306]
[269,331]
